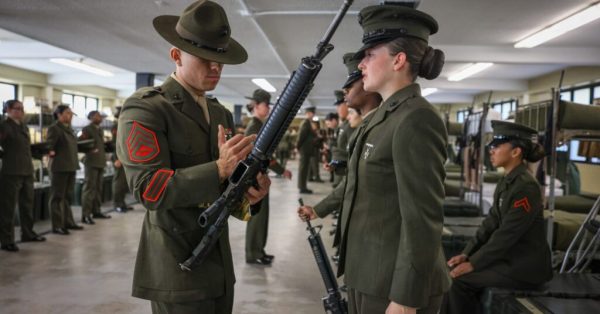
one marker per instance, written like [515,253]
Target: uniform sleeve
[524,206]
[143,149]
[52,138]
[489,224]
[419,152]
[332,201]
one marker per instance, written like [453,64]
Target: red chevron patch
[142,144]
[524,202]
[157,184]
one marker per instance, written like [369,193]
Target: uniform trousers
[362,303]
[63,185]
[303,170]
[257,230]
[91,198]
[464,295]
[16,189]
[120,188]
[220,305]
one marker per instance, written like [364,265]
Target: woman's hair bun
[432,63]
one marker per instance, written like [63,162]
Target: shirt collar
[198,98]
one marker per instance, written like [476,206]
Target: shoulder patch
[157,185]
[142,144]
[524,202]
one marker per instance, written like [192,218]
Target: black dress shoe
[88,220]
[35,238]
[305,191]
[129,207]
[269,256]
[121,209]
[10,247]
[259,261]
[74,227]
[62,231]
[101,216]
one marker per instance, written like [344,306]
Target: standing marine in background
[178,149]
[64,164]
[94,162]
[305,146]
[119,182]
[16,178]
[258,225]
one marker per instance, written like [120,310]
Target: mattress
[571,116]
[575,203]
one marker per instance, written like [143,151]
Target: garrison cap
[354,73]
[260,95]
[505,131]
[339,97]
[383,23]
[310,109]
[203,31]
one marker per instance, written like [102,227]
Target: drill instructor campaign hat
[203,31]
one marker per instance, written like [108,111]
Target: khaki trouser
[16,190]
[63,184]
[91,198]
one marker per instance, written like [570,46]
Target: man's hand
[306,213]
[118,164]
[327,167]
[461,269]
[287,174]
[253,194]
[232,151]
[51,153]
[395,308]
[457,260]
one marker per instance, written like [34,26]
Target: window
[582,96]
[566,96]
[7,92]
[461,115]
[505,108]
[81,105]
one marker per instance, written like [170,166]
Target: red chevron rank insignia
[142,144]
[524,202]
[157,184]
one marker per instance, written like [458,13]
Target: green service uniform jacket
[96,157]
[392,214]
[340,151]
[14,139]
[169,152]
[335,199]
[306,139]
[511,240]
[62,140]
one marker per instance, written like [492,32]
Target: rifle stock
[269,136]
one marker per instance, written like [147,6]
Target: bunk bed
[562,121]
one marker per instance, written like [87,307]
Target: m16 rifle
[333,301]
[244,176]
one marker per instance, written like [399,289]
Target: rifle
[333,302]
[269,136]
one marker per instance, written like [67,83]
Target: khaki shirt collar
[200,99]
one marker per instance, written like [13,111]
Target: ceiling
[118,36]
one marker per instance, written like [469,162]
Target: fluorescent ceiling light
[572,22]
[81,66]
[428,91]
[264,84]
[471,69]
